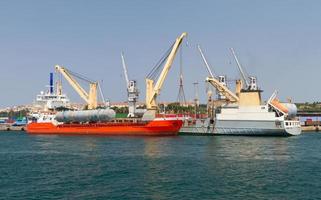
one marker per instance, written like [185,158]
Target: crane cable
[80,76]
[101,92]
[157,68]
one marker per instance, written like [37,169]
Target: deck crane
[124,68]
[251,95]
[252,85]
[91,96]
[132,90]
[153,90]
[218,83]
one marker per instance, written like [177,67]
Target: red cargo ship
[157,127]
[81,122]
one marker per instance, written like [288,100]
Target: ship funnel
[51,83]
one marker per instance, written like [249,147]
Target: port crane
[132,90]
[91,96]
[218,82]
[153,89]
[252,85]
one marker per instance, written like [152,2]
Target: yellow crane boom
[91,97]
[229,95]
[221,88]
[152,91]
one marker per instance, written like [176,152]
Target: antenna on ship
[181,94]
[196,98]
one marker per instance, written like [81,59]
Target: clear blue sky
[279,41]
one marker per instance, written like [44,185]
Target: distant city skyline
[276,41]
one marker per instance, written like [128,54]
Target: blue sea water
[183,167]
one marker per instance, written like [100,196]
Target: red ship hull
[152,128]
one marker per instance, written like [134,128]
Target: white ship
[264,120]
[52,99]
[49,101]
[242,112]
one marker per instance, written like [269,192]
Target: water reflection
[156,147]
[68,145]
[156,151]
[251,148]
[160,168]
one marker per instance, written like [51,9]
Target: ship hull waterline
[152,128]
[238,132]
[241,128]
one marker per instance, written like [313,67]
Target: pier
[8,127]
[310,121]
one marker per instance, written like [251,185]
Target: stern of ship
[292,127]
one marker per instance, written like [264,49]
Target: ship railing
[292,123]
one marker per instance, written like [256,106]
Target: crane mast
[132,90]
[240,68]
[205,61]
[124,68]
[90,97]
[153,90]
[218,83]
[252,85]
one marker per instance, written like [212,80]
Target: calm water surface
[185,167]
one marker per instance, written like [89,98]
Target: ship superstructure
[242,112]
[53,98]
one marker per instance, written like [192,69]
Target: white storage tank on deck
[292,109]
[100,115]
